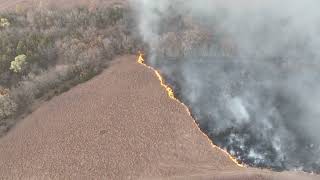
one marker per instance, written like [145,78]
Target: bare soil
[119,125]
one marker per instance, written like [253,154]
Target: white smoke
[249,70]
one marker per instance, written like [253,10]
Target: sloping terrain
[119,125]
[46,51]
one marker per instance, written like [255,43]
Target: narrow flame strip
[171,95]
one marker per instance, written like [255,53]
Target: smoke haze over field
[248,69]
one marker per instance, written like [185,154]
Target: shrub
[18,63]
[7,106]
[4,22]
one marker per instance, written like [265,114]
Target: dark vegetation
[44,52]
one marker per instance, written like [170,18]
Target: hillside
[112,118]
[120,125]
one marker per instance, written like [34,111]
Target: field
[87,109]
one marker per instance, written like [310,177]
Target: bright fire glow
[163,84]
[170,93]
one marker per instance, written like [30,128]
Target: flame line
[171,95]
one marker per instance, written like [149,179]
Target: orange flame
[168,89]
[170,93]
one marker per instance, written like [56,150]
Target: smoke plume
[249,71]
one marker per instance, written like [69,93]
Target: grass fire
[248,73]
[220,89]
[171,95]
